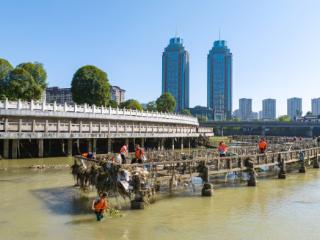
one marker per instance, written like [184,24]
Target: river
[42,204]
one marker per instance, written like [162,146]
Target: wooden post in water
[207,188]
[252,182]
[302,168]
[282,165]
[316,161]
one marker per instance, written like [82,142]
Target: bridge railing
[62,126]
[87,109]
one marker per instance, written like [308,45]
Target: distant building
[269,109]
[175,72]
[260,115]
[245,108]
[117,94]
[58,95]
[219,80]
[254,116]
[200,111]
[294,107]
[315,106]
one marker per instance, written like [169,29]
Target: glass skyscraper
[219,86]
[175,72]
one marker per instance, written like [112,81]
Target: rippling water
[42,204]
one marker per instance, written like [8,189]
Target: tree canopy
[37,72]
[284,118]
[131,104]
[112,103]
[5,68]
[166,103]
[90,85]
[21,85]
[151,106]
[186,112]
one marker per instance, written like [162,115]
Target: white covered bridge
[76,127]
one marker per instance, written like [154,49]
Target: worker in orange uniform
[139,155]
[99,205]
[262,145]
[123,153]
[222,149]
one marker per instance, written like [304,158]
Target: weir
[167,170]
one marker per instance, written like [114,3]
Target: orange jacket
[139,153]
[262,145]
[101,204]
[84,155]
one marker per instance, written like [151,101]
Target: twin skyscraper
[175,77]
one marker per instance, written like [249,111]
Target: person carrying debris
[123,153]
[222,149]
[99,205]
[262,145]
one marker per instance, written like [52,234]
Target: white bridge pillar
[6,148]
[69,153]
[109,145]
[40,148]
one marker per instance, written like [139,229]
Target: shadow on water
[64,200]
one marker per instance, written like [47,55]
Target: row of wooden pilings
[207,189]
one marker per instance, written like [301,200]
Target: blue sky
[275,43]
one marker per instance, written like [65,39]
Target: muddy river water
[42,204]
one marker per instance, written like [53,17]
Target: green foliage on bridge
[166,103]
[131,104]
[284,118]
[186,112]
[26,82]
[5,68]
[90,85]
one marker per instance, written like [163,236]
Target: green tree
[37,72]
[90,85]
[131,104]
[5,68]
[186,112]
[151,106]
[166,103]
[308,114]
[202,118]
[21,85]
[284,118]
[113,104]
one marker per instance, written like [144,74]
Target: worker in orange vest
[262,145]
[139,154]
[99,205]
[123,153]
[222,149]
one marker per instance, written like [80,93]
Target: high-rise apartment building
[175,72]
[315,106]
[294,107]
[269,109]
[58,95]
[117,94]
[219,80]
[245,108]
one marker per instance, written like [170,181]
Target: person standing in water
[222,149]
[262,146]
[123,153]
[99,205]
